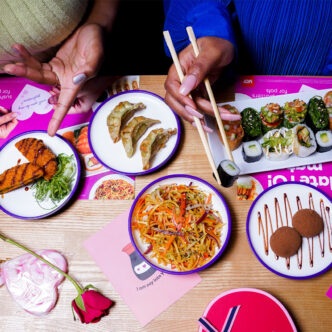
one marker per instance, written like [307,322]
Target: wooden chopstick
[193,41]
[198,123]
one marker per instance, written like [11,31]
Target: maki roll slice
[304,141]
[271,116]
[277,144]
[251,151]
[328,104]
[317,117]
[294,113]
[324,140]
[228,172]
[233,129]
[251,123]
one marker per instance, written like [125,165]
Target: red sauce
[26,188]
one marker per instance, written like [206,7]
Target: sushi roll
[271,116]
[324,140]
[304,141]
[317,117]
[228,172]
[294,113]
[277,144]
[233,129]
[251,151]
[251,123]
[328,104]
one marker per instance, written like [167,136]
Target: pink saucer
[257,311]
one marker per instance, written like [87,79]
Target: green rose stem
[74,282]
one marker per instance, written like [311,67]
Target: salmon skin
[39,154]
[19,176]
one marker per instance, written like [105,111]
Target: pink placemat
[147,292]
[29,100]
[318,175]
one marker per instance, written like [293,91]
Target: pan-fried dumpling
[119,116]
[133,131]
[155,141]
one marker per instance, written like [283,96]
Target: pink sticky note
[329,292]
[148,292]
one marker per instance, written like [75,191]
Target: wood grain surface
[306,301]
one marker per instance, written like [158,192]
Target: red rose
[96,306]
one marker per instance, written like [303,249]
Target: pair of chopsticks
[198,123]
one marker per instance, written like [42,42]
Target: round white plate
[109,177]
[112,155]
[20,203]
[279,266]
[218,204]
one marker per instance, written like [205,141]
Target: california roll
[324,140]
[294,113]
[271,116]
[304,141]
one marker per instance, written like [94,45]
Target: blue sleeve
[207,18]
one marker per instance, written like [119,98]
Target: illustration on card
[141,269]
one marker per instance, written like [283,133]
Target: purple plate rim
[222,249]
[249,239]
[151,169]
[73,190]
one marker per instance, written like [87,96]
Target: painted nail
[206,128]
[188,84]
[79,78]
[193,112]
[15,51]
[230,116]
[13,115]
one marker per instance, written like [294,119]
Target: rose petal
[96,300]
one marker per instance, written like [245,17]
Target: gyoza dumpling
[133,131]
[119,116]
[155,141]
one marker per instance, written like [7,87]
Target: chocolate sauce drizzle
[324,212]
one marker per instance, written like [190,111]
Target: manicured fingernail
[79,78]
[229,116]
[15,51]
[206,128]
[193,112]
[8,68]
[13,115]
[188,84]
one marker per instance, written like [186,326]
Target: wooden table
[306,301]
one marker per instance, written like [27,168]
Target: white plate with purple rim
[218,204]
[298,266]
[21,203]
[112,155]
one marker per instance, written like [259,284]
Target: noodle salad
[179,225]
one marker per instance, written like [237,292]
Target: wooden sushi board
[219,152]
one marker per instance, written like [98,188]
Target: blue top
[272,37]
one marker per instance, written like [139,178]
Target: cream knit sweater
[37,24]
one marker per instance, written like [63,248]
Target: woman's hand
[7,122]
[78,60]
[215,54]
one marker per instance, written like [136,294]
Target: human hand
[8,122]
[215,54]
[78,60]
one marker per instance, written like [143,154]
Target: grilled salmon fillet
[38,154]
[19,176]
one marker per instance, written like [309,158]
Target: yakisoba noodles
[179,225]
[114,189]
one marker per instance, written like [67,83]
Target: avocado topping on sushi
[295,112]
[271,116]
[304,137]
[317,116]
[251,123]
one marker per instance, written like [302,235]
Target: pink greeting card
[318,175]
[148,292]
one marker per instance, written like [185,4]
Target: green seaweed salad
[317,116]
[251,123]
[59,186]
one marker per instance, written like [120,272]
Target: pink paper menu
[29,100]
[318,175]
[148,292]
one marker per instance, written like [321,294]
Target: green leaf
[80,303]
